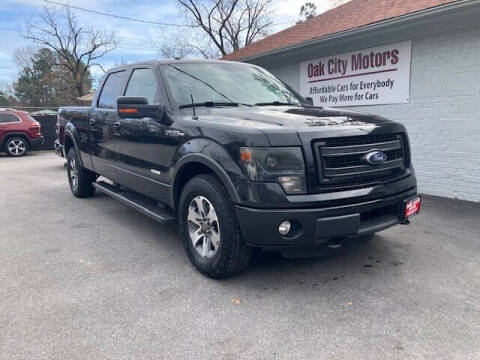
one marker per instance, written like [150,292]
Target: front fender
[211,164]
[217,159]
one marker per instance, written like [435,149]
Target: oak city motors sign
[379,75]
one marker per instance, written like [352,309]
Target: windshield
[226,83]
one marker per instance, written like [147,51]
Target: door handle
[116,124]
[92,121]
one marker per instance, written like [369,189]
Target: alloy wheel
[17,147]
[73,173]
[203,227]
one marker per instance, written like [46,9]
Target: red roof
[351,15]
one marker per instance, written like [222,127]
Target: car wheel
[209,228]
[16,146]
[81,180]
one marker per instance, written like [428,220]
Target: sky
[137,41]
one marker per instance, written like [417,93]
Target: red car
[19,132]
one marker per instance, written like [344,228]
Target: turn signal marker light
[128,111]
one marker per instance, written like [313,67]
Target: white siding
[443,116]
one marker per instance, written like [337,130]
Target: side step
[139,202]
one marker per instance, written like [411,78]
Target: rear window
[8,118]
[112,89]
[32,119]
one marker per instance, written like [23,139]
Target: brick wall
[443,116]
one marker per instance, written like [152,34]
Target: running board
[137,201]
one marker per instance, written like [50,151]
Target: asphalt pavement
[93,279]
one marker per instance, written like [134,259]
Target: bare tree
[229,24]
[180,44]
[307,11]
[23,56]
[77,47]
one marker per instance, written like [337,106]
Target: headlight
[282,165]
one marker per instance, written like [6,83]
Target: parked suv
[239,159]
[19,132]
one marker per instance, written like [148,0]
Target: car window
[226,82]
[112,89]
[32,119]
[143,83]
[8,118]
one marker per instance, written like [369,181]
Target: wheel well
[186,173]
[68,144]
[25,137]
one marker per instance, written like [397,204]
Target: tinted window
[112,89]
[6,118]
[143,83]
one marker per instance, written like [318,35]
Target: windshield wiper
[277,103]
[209,104]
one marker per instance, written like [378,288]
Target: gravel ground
[93,279]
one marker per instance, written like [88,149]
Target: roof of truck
[173,61]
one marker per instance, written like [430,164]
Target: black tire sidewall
[85,177]
[72,153]
[210,188]
[16,138]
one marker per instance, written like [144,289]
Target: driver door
[139,143]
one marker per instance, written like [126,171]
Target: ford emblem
[376,157]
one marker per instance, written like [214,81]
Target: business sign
[379,75]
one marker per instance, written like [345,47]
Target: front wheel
[209,228]
[81,180]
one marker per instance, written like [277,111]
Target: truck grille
[342,160]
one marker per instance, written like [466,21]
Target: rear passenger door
[102,119]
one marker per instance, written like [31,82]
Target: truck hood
[286,125]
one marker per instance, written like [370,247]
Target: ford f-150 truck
[239,159]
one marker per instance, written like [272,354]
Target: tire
[16,146]
[226,253]
[80,179]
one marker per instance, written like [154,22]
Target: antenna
[193,108]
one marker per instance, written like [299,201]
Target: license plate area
[411,207]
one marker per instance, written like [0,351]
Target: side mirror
[309,100]
[136,107]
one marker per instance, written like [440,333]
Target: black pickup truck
[239,159]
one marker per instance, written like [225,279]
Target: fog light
[284,227]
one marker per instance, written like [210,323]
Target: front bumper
[36,142]
[319,226]
[58,148]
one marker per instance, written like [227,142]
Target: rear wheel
[81,180]
[16,146]
[209,228]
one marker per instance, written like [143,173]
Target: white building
[413,61]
